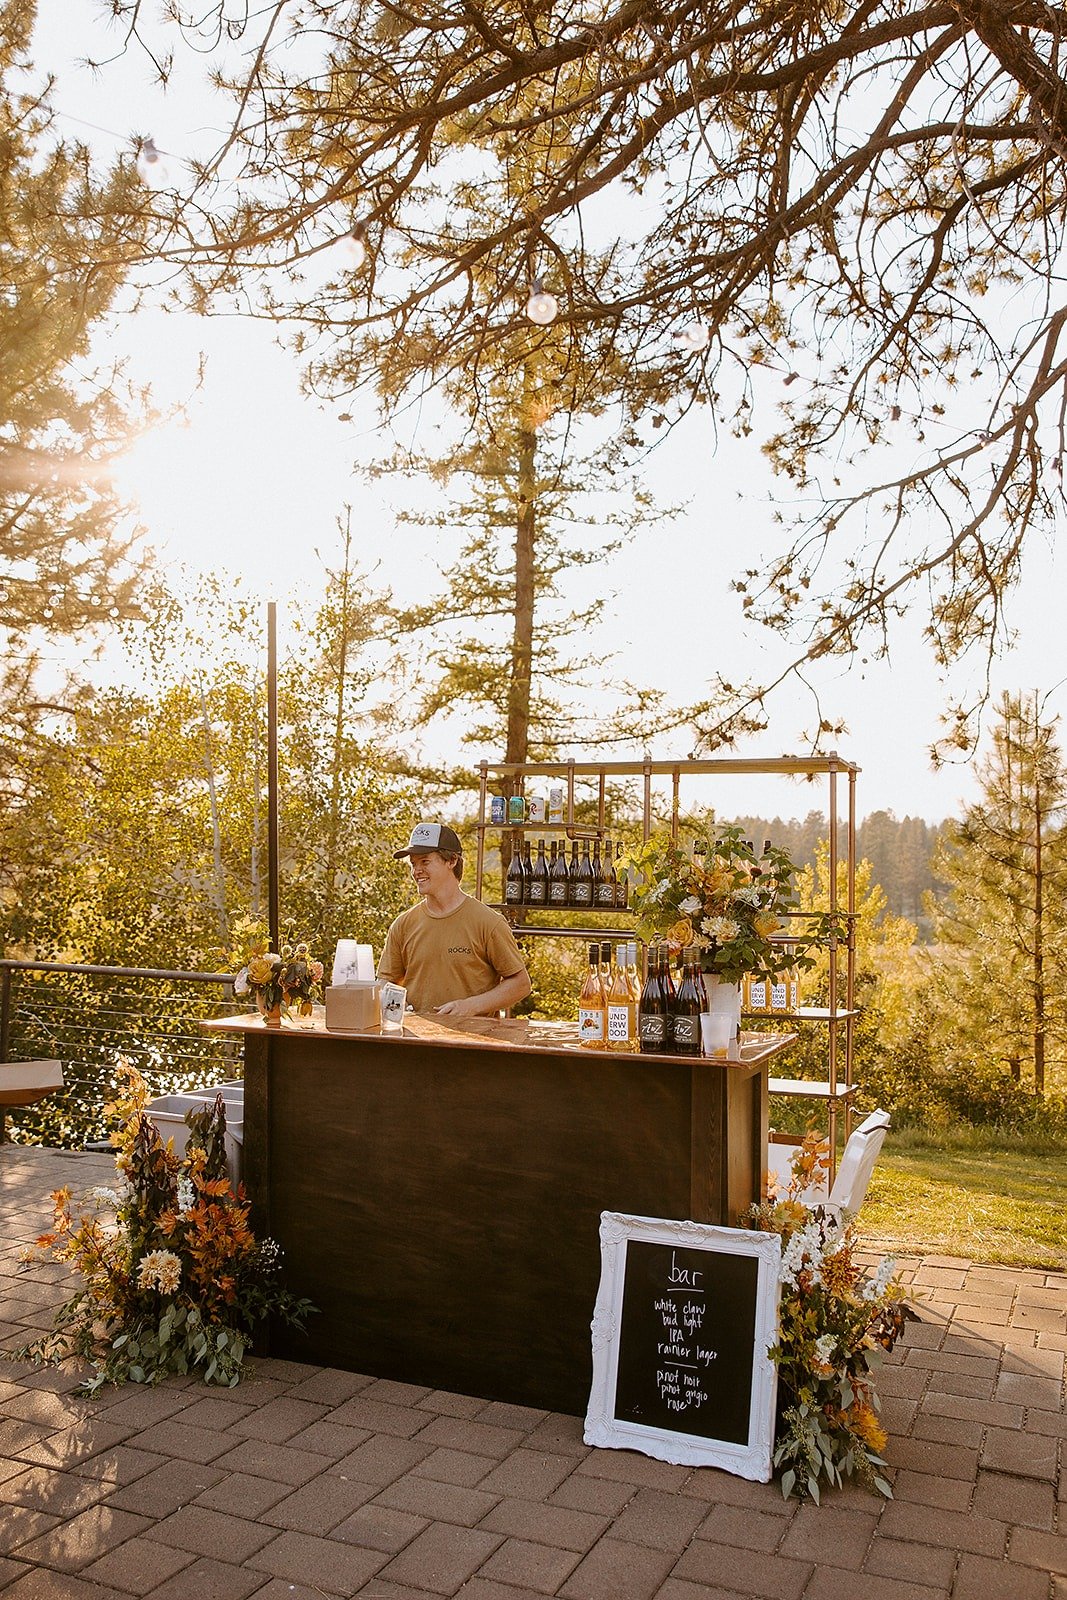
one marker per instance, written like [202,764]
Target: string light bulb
[350,250]
[152,167]
[541,307]
[695,336]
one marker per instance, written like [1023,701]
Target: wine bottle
[620,1022]
[592,1007]
[598,869]
[527,873]
[514,881]
[537,888]
[622,884]
[582,882]
[558,878]
[685,1022]
[605,881]
[651,1016]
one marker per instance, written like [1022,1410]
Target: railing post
[5,1034]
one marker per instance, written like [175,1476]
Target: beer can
[498,809]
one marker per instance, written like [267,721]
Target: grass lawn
[966,1197]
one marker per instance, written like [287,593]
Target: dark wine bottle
[514,880]
[651,1018]
[666,985]
[582,882]
[559,878]
[604,891]
[685,1023]
[537,885]
[527,873]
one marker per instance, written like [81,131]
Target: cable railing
[88,1017]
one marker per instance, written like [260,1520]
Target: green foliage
[177,1282]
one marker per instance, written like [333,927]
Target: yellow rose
[680,932]
[765,923]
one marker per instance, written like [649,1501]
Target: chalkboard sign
[684,1318]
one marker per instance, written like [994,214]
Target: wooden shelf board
[810,1088]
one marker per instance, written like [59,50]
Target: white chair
[855,1168]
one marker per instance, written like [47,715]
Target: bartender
[454,956]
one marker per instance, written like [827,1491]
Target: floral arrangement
[278,981]
[723,899]
[834,1326]
[174,1280]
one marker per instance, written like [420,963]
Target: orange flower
[680,933]
[865,1425]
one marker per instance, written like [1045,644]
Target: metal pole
[273,917]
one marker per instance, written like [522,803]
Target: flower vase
[271,1014]
[724,998]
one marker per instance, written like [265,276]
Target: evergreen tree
[1003,925]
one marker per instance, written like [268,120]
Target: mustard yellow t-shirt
[439,959]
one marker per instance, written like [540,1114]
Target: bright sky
[258,474]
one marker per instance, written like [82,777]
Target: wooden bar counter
[438,1193]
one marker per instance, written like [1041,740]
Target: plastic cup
[716,1030]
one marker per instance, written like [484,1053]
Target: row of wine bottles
[586,883]
[608,1003]
[669,1017]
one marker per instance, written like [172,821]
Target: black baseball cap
[429,836]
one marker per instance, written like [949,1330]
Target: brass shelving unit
[837,1088]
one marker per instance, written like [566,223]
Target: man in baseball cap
[455,956]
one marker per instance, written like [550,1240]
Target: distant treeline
[900,851]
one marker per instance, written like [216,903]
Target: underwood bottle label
[757,994]
[779,997]
[618,1024]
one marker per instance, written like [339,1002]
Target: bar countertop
[493,1033]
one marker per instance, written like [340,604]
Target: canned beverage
[555,805]
[498,810]
[517,808]
[535,809]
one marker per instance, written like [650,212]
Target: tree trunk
[518,734]
[334,827]
[1039,931]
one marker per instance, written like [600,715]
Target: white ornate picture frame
[675,1321]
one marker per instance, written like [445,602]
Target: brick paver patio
[305,1482]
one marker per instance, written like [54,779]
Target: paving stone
[681,1589]
[979,1578]
[286,1372]
[210,1580]
[479,1588]
[966,1360]
[480,1438]
[923,1455]
[44,1585]
[947,1529]
[659,1520]
[559,1433]
[175,1439]
[459,1466]
[1037,1362]
[1030,1390]
[72,1544]
[442,1558]
[723,1488]
[926,1489]
[740,1525]
[1025,1454]
[939,1429]
[911,1563]
[1040,1318]
[501,1414]
[333,1566]
[277,1421]
[209,1533]
[122,1464]
[959,1383]
[540,1567]
[1051,1424]
[51,1410]
[1016,1500]
[833,1583]
[145,1407]
[326,1439]
[990,1413]
[377,1417]
[159,1493]
[20,1524]
[61,1494]
[214,1412]
[390,1392]
[138,1566]
[376,1527]
[755,1574]
[437,1502]
[441,1403]
[816,1531]
[261,1459]
[604,1496]
[530,1474]
[1032,1548]
[330,1387]
[319,1506]
[381,1460]
[625,1466]
[567,1528]
[242,1495]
